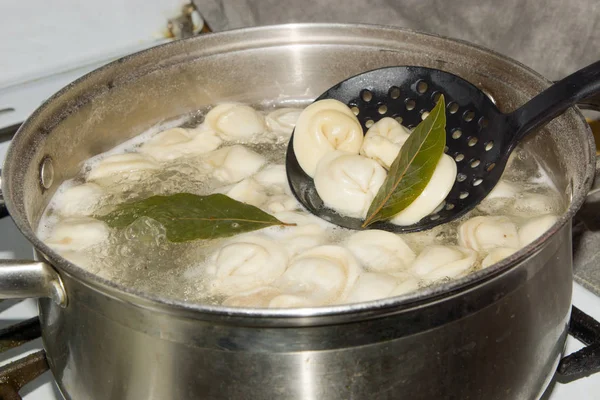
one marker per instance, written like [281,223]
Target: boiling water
[140,256]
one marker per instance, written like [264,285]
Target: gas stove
[23,365]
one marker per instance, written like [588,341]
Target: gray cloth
[554,37]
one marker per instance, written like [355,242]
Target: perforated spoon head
[479,137]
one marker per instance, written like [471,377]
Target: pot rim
[393,304]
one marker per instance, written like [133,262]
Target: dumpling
[497,254]
[248,191]
[325,126]
[320,276]
[383,141]
[79,200]
[233,163]
[81,259]
[177,142]
[234,121]
[407,284]
[535,227]
[501,196]
[274,176]
[256,298]
[309,231]
[122,167]
[485,233]
[75,234]
[291,301]
[438,262]
[378,250]
[371,286]
[529,203]
[246,262]
[348,183]
[432,196]
[281,202]
[283,120]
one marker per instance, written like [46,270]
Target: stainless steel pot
[496,334]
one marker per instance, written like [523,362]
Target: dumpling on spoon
[383,141]
[432,196]
[325,126]
[348,183]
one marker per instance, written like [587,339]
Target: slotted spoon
[479,137]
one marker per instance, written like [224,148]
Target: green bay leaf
[412,169]
[187,216]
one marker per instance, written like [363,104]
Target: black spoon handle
[581,88]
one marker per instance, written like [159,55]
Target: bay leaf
[187,216]
[412,169]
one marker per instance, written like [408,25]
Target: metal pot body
[497,334]
[501,340]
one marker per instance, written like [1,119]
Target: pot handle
[21,279]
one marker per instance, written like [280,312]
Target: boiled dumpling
[274,177]
[308,232]
[372,286]
[233,163]
[291,301]
[383,141]
[234,121]
[348,183]
[501,196]
[528,203]
[438,262]
[76,234]
[79,200]
[256,298]
[282,121]
[81,259]
[177,142]
[380,250]
[432,196]
[325,126]
[407,283]
[247,262]
[248,191]
[320,276]
[535,227]
[122,167]
[281,202]
[419,240]
[497,254]
[485,233]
